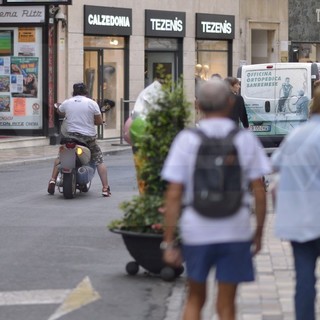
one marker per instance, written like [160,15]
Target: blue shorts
[232,260]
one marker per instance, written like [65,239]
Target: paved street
[58,253]
[123,297]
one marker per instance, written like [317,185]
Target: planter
[145,250]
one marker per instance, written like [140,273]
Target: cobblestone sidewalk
[270,297]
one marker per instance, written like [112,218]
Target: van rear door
[293,94]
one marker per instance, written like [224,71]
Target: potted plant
[141,225]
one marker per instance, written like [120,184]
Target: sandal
[106,192]
[51,186]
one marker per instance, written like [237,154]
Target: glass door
[113,87]
[104,76]
[166,52]
[167,61]
[92,79]
[92,62]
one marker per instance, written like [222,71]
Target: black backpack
[217,189]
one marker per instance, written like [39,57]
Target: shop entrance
[263,46]
[167,61]
[104,77]
[165,53]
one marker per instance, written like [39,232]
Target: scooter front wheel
[69,184]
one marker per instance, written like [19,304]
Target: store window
[212,57]
[104,76]
[214,49]
[21,78]
[305,52]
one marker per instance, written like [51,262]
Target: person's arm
[61,113]
[98,119]
[260,211]
[243,113]
[173,196]
[97,116]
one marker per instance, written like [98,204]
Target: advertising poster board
[24,71]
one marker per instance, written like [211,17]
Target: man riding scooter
[81,115]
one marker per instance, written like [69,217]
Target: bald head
[214,95]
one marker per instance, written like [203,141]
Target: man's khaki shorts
[96,153]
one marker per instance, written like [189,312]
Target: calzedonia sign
[165,23]
[107,21]
[214,26]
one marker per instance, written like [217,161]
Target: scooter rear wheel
[69,184]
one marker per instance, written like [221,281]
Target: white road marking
[33,297]
[82,295]
[69,300]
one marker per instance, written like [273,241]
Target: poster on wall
[21,70]
[27,34]
[4,103]
[26,45]
[4,83]
[6,42]
[24,76]
[4,65]
[19,107]
[26,50]
[16,83]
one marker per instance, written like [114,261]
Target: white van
[276,96]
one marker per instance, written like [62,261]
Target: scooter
[75,169]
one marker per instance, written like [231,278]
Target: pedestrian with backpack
[209,171]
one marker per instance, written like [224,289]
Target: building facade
[304,30]
[115,47]
[263,31]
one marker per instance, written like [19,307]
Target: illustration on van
[276,99]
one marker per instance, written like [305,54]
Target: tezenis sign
[165,23]
[214,26]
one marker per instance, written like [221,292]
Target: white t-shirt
[80,112]
[179,167]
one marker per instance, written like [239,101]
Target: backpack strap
[230,136]
[203,136]
[233,133]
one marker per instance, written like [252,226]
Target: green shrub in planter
[143,212]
